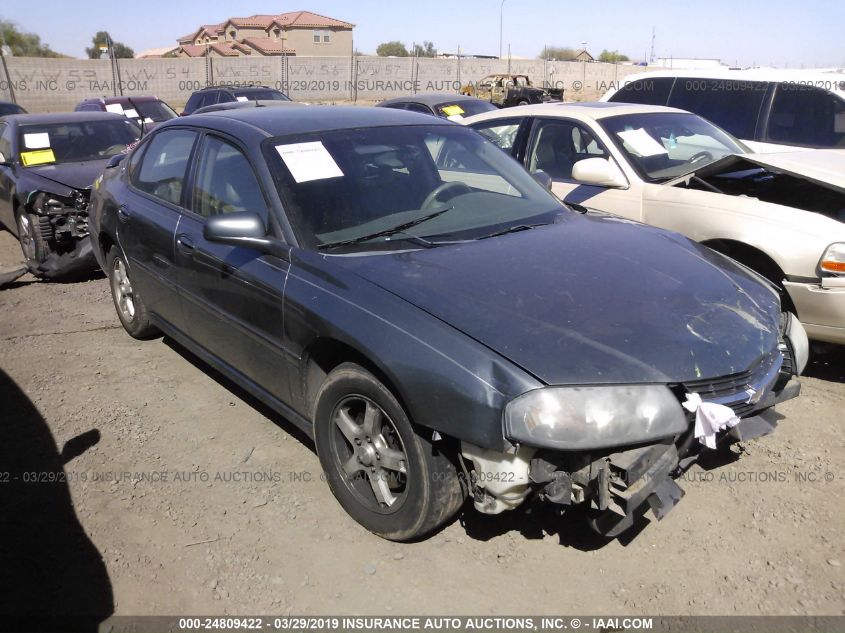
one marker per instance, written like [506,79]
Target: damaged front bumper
[62,224]
[617,485]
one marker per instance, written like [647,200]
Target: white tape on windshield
[36,141]
[309,161]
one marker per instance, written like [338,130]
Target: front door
[556,145]
[232,296]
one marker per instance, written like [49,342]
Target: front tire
[387,477]
[33,246]
[130,306]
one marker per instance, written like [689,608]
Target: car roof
[832,80]
[62,117]
[238,105]
[430,98]
[309,119]
[587,110]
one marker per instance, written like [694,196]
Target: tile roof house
[295,33]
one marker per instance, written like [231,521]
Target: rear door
[232,297]
[148,218]
[7,176]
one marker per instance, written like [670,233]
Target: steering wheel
[459,187]
[700,156]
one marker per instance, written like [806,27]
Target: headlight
[833,260]
[579,418]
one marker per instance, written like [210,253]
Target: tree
[392,49]
[24,44]
[426,50]
[613,57]
[102,38]
[558,53]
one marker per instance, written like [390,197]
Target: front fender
[447,381]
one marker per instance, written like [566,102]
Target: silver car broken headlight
[579,418]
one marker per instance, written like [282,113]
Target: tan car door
[556,145]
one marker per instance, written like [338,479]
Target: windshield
[399,186]
[461,109]
[664,145]
[154,111]
[260,95]
[77,141]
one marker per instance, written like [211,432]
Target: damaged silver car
[48,164]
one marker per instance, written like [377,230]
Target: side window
[225,181]
[225,97]
[646,91]
[134,160]
[559,144]
[805,115]
[164,164]
[501,133]
[5,142]
[733,105]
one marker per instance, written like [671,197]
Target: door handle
[123,214]
[185,244]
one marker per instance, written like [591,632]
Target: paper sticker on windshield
[455,117]
[114,107]
[36,141]
[452,110]
[241,98]
[643,144]
[309,161]
[131,113]
[38,157]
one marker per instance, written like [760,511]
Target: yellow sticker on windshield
[452,110]
[38,157]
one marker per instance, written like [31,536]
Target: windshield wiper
[514,229]
[399,228]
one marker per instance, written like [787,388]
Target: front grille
[732,390]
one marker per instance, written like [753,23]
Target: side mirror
[599,171]
[543,178]
[115,160]
[246,230]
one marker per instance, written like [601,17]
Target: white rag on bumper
[710,418]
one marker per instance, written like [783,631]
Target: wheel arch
[757,260]
[325,353]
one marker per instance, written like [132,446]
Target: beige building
[295,33]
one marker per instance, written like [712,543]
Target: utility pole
[653,37]
[501,25]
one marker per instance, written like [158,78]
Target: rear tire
[387,477]
[130,306]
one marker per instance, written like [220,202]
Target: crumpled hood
[72,175]
[825,167]
[593,299]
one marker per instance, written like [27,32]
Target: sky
[781,33]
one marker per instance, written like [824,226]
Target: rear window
[261,95]
[733,105]
[461,109]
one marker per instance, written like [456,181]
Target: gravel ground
[231,516]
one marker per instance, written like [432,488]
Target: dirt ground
[230,515]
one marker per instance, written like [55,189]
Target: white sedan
[782,215]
